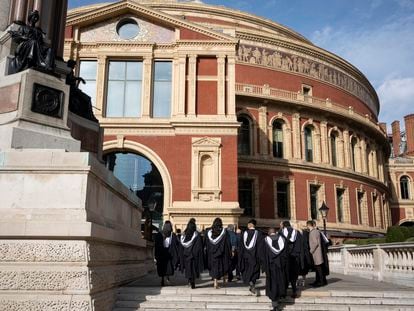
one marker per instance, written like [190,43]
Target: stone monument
[69,230]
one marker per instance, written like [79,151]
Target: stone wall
[69,232]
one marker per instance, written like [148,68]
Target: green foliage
[399,234]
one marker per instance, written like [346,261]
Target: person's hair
[189,231]
[33,14]
[71,63]
[178,231]
[310,223]
[286,224]
[252,221]
[217,227]
[271,230]
[167,228]
[192,220]
[230,227]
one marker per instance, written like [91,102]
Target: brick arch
[127,145]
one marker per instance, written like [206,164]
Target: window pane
[87,70]
[243,138]
[282,200]
[132,99]
[163,71]
[313,191]
[308,145]
[115,99]
[117,70]
[162,100]
[340,204]
[333,150]
[246,196]
[134,71]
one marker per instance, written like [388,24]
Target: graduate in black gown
[250,261]
[191,253]
[218,249]
[166,252]
[273,264]
[306,255]
[294,254]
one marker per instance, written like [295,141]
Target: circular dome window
[127,29]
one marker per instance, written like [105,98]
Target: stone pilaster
[317,146]
[296,136]
[192,81]
[347,151]
[364,159]
[263,141]
[146,89]
[340,152]
[181,85]
[100,85]
[221,85]
[324,142]
[231,86]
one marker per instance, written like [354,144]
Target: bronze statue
[31,51]
[79,102]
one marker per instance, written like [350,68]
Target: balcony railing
[392,262]
[310,101]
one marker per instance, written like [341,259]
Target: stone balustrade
[393,262]
[306,100]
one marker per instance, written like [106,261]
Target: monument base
[69,232]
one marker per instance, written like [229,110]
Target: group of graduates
[283,255]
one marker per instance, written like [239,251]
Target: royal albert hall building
[208,111]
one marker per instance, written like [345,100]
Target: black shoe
[192,285]
[316,285]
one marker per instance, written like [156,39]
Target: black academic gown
[166,255]
[191,257]
[294,253]
[218,254]
[272,261]
[249,257]
[306,254]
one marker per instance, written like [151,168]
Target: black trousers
[320,276]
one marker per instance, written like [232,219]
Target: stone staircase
[349,294]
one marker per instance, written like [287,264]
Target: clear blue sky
[377,36]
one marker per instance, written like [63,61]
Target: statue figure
[79,102]
[31,51]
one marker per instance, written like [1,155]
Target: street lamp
[324,212]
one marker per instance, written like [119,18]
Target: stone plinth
[69,232]
[29,114]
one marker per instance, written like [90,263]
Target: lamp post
[324,212]
[151,207]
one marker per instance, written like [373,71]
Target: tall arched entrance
[142,177]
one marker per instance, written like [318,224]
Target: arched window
[354,142]
[308,144]
[369,159]
[405,187]
[278,139]
[334,157]
[243,139]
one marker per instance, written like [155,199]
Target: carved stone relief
[294,63]
[107,31]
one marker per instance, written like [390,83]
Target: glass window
[243,139]
[313,193]
[333,149]
[124,89]
[87,71]
[246,196]
[340,204]
[162,85]
[141,176]
[278,139]
[405,187]
[308,144]
[282,192]
[128,29]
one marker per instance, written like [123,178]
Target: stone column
[347,151]
[263,140]
[181,86]
[231,86]
[221,85]
[364,165]
[317,147]
[324,142]
[147,81]
[18,11]
[296,136]
[4,14]
[375,163]
[340,152]
[100,84]
[192,85]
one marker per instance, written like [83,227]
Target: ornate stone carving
[299,64]
[38,251]
[44,305]
[47,101]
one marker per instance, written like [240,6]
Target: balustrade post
[345,257]
[379,263]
